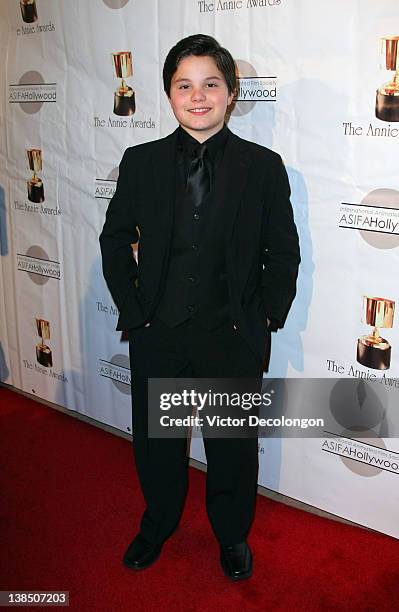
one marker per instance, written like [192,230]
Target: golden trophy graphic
[373,351]
[35,184]
[387,100]
[43,352]
[124,98]
[28,10]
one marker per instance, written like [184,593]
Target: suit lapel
[231,180]
[163,181]
[161,195]
[229,191]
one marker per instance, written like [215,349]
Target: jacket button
[235,326]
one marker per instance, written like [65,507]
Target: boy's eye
[186,86]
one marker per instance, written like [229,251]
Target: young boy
[217,267]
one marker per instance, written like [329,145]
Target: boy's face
[199,96]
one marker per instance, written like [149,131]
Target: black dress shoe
[236,561]
[140,554]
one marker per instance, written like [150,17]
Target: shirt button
[235,326]
[194,246]
[190,308]
[196,216]
[191,279]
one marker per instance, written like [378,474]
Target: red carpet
[71,504]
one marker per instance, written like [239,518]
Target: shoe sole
[137,568]
[235,578]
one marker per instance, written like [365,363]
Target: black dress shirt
[187,148]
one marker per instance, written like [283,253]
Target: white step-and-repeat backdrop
[317,84]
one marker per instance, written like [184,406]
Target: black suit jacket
[262,251]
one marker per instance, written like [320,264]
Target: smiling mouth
[199,111]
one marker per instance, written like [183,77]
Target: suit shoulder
[146,148]
[139,151]
[260,151]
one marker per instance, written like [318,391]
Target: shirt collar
[189,145]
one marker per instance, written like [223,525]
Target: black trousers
[188,350]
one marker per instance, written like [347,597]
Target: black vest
[196,279]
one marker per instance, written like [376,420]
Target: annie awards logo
[374,351]
[35,183]
[29,15]
[35,193]
[387,96]
[28,10]
[124,96]
[44,355]
[124,106]
[204,6]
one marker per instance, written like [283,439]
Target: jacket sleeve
[280,251]
[116,239]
